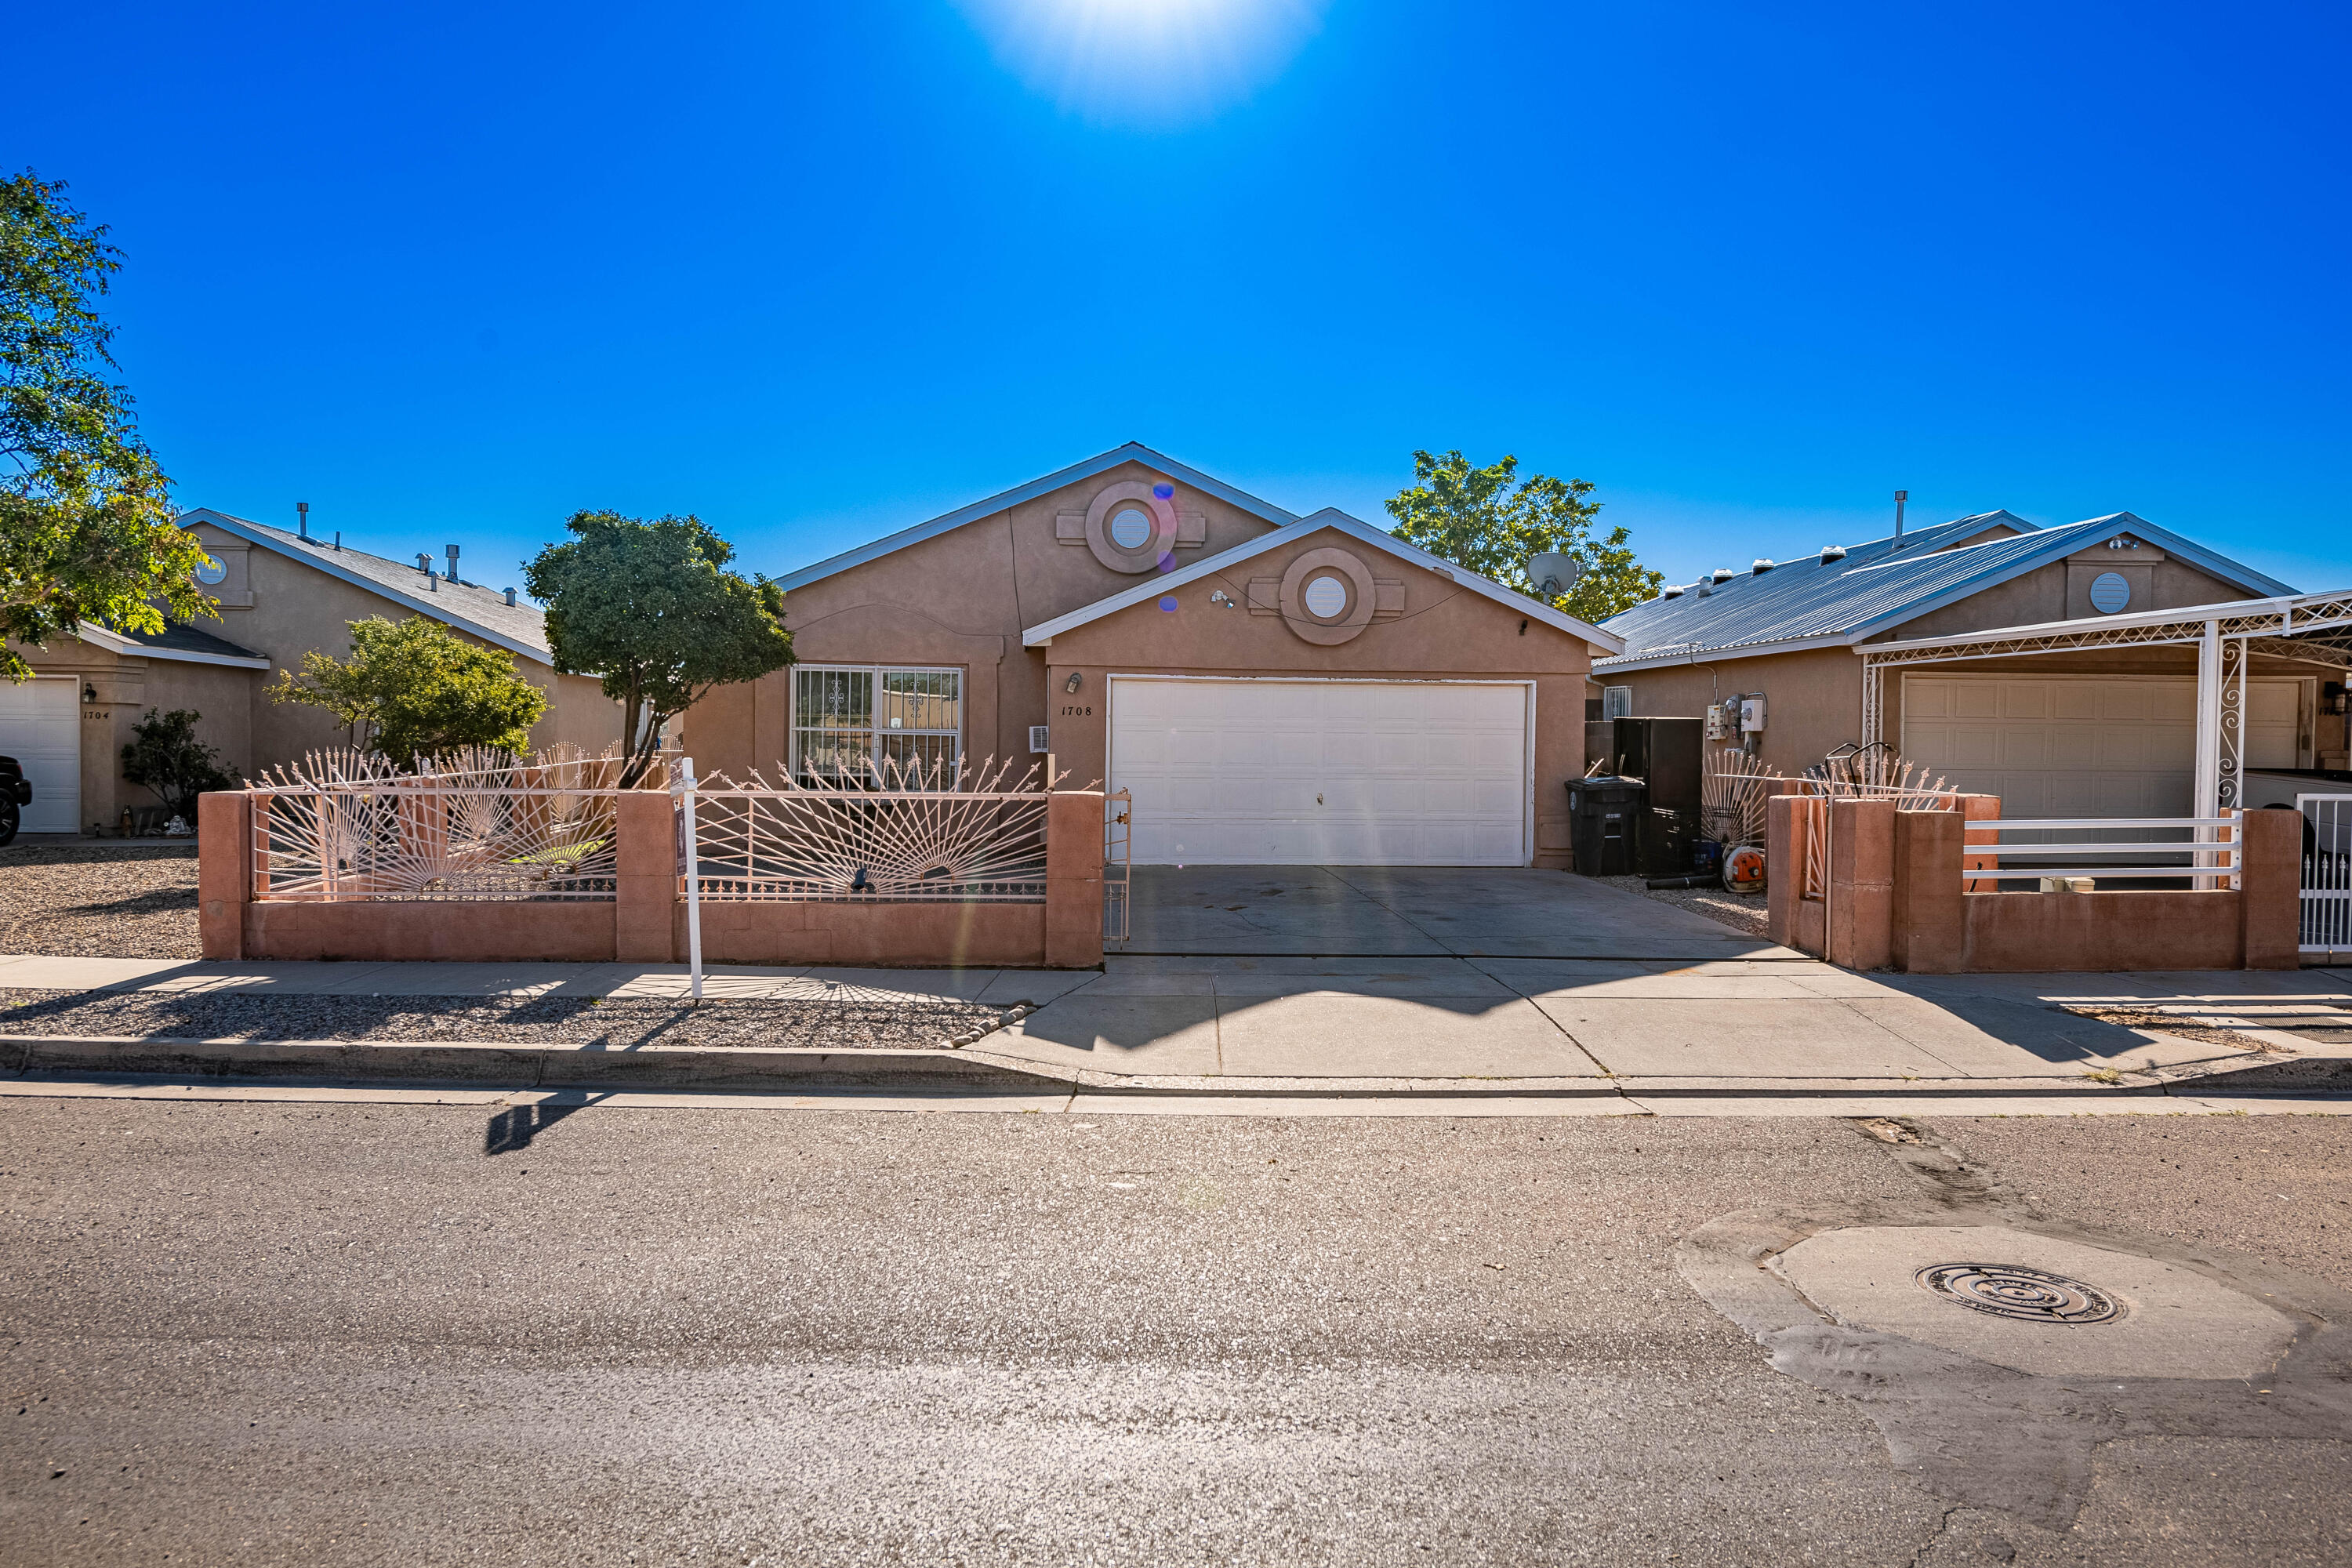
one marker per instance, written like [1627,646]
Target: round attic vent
[2109,592]
[1129,528]
[1324,597]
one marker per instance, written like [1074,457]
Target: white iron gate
[2327,926]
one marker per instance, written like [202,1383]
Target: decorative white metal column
[2208,722]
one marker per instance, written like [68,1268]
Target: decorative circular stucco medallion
[1304,592]
[1129,529]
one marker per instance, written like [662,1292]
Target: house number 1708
[1078,712]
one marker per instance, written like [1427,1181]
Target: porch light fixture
[1078,679]
[88,692]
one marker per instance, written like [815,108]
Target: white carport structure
[2310,628]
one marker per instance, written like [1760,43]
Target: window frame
[873,730]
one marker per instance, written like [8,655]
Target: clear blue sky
[820,271]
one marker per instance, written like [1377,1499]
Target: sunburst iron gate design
[479,826]
[932,835]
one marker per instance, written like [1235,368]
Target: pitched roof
[1133,452]
[1329,517]
[177,641]
[519,628]
[1809,602]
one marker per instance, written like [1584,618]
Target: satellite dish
[1553,573]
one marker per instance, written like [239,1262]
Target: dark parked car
[14,795]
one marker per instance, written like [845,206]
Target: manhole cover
[2027,1295]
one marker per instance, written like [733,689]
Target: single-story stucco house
[1272,688]
[2107,731]
[281,593]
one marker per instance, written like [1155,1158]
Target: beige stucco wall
[295,609]
[127,687]
[1445,633]
[1813,696]
[960,600]
[280,608]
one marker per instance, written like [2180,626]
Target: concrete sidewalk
[1298,1028]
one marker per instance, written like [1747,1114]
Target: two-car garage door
[1333,773]
[2082,746]
[40,726]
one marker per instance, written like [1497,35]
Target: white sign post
[684,788]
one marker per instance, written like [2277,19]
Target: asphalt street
[347,1333]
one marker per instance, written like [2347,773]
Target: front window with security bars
[870,725]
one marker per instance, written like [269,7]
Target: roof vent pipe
[1832,552]
[303,519]
[424,561]
[1761,565]
[452,563]
[1724,574]
[1900,497]
[510,595]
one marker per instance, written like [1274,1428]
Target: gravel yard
[618,1024]
[1743,914]
[100,900]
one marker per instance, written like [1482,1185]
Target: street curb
[470,1062]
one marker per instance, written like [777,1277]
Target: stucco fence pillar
[224,872]
[1074,880]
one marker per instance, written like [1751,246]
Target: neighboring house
[280,595]
[1272,688]
[2109,732]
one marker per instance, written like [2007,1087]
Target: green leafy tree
[165,757]
[648,605]
[86,529]
[415,689]
[1477,518]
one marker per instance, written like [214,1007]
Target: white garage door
[1323,773]
[40,726]
[2080,745]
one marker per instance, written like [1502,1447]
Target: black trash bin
[1604,817]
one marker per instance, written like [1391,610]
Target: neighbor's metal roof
[1809,602]
[520,627]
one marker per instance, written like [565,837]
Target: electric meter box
[1751,715]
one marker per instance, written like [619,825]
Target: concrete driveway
[1528,981]
[1339,911]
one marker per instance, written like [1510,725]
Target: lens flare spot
[1168,603]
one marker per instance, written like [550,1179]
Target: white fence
[2326,910]
[2202,849]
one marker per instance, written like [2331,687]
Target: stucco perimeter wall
[1897,898]
[648,921]
[959,601]
[1445,632]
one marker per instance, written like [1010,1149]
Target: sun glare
[1145,62]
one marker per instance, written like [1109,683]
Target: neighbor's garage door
[2080,745]
[40,726]
[1305,773]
